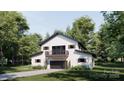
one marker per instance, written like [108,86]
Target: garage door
[57,64]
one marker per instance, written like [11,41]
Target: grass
[114,69]
[99,73]
[111,64]
[56,76]
[10,69]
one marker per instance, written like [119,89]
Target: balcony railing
[56,54]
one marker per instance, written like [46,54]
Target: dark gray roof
[85,51]
[55,34]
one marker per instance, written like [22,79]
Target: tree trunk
[121,59]
[22,60]
[1,56]
[1,52]
[13,60]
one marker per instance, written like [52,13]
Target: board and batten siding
[58,41]
[41,57]
[73,56]
[76,55]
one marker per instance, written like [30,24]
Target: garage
[57,64]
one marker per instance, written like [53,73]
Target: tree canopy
[81,30]
[113,31]
[108,42]
[17,45]
[13,38]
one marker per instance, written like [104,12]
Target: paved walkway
[26,73]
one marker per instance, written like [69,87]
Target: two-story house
[60,51]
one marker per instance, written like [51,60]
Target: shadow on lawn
[117,64]
[82,75]
[6,69]
[87,75]
[67,76]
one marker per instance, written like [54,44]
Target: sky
[42,22]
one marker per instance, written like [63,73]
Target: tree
[114,33]
[16,46]
[12,27]
[93,42]
[47,35]
[28,45]
[101,45]
[59,31]
[81,30]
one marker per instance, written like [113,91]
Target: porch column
[48,65]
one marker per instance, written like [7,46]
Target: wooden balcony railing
[57,54]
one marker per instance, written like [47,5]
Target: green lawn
[9,69]
[56,76]
[99,73]
[110,69]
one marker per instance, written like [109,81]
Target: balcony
[55,54]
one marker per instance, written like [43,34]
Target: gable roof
[38,53]
[57,33]
[85,51]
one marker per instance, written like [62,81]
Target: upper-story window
[71,46]
[46,48]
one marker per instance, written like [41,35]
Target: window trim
[70,46]
[84,60]
[37,60]
[44,48]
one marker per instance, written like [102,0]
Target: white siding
[60,40]
[41,57]
[74,56]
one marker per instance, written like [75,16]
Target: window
[37,60]
[71,46]
[46,48]
[81,60]
[58,49]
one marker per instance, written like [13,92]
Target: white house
[60,51]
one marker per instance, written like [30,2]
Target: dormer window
[46,48]
[71,46]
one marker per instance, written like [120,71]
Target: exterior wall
[73,55]
[41,57]
[58,41]
[73,58]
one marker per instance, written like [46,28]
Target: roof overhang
[87,52]
[55,34]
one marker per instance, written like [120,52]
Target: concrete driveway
[26,73]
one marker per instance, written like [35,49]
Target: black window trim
[84,60]
[71,46]
[45,48]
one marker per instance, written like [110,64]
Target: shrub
[94,75]
[80,68]
[111,64]
[97,75]
[39,67]
[3,61]
[75,68]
